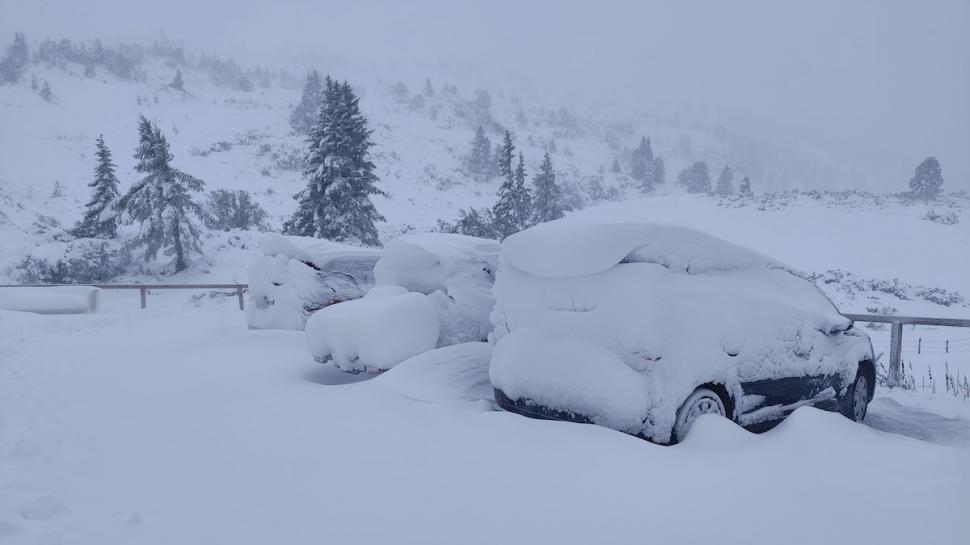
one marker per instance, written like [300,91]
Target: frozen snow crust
[621,322]
[295,275]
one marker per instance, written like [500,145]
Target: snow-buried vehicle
[297,276]
[642,327]
[432,290]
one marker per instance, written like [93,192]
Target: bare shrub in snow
[943,219]
[226,210]
[84,261]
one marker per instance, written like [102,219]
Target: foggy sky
[878,85]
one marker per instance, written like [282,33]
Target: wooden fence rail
[145,288]
[896,339]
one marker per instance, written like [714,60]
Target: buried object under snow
[296,276]
[621,324]
[433,290]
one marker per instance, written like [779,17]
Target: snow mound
[455,271]
[375,333]
[572,375]
[563,249]
[452,373]
[51,300]
[296,276]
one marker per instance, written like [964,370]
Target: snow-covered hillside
[868,252]
[236,139]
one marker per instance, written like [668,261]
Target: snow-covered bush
[943,219]
[227,210]
[83,261]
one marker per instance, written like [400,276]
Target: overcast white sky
[878,84]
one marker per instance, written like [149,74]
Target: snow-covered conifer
[304,116]
[513,210]
[336,202]
[547,202]
[161,202]
[479,160]
[927,181]
[725,182]
[101,213]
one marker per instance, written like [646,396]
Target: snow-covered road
[178,425]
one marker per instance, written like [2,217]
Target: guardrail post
[895,349]
[143,293]
[239,292]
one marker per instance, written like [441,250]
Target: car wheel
[856,400]
[702,401]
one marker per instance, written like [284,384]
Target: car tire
[701,401]
[856,401]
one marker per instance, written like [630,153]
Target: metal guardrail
[145,288]
[896,340]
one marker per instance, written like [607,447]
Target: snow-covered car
[642,328]
[432,290]
[296,276]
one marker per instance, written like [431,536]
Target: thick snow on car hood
[564,249]
[678,317]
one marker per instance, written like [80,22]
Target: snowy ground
[178,425]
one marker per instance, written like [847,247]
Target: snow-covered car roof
[310,250]
[568,249]
[434,261]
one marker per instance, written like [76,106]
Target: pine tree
[304,116]
[547,202]
[15,60]
[503,157]
[177,82]
[161,202]
[745,189]
[471,222]
[615,167]
[428,89]
[101,214]
[926,183]
[479,160]
[513,210]
[45,92]
[336,202]
[641,160]
[658,173]
[725,182]
[695,178]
